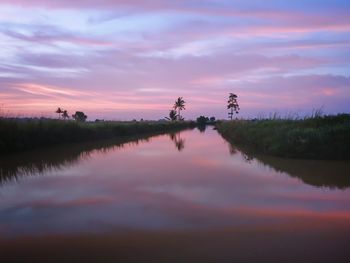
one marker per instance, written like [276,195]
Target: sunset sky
[125,59]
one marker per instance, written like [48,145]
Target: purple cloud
[146,53]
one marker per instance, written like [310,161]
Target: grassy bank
[20,135]
[326,137]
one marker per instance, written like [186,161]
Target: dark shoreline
[19,136]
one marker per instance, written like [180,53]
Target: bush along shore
[320,137]
[20,135]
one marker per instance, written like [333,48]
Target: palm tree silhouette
[172,115]
[59,111]
[179,105]
[65,115]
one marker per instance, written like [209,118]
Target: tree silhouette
[172,115]
[202,120]
[232,105]
[65,115]
[179,105]
[79,116]
[59,111]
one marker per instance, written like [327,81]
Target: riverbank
[18,135]
[326,137]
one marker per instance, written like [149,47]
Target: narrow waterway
[181,197]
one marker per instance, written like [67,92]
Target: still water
[181,197]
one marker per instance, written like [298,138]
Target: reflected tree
[202,128]
[178,141]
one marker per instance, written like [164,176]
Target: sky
[129,59]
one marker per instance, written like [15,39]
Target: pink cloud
[266,55]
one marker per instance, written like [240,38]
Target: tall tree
[59,112]
[232,104]
[179,105]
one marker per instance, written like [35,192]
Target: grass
[20,135]
[318,137]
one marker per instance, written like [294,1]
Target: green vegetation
[25,134]
[318,137]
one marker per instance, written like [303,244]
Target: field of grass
[320,137]
[20,135]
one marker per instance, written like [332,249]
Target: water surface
[174,198]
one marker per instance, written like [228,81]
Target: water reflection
[43,161]
[178,141]
[202,128]
[144,185]
[319,173]
[330,174]
[233,150]
[151,197]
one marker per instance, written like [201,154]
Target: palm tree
[65,115]
[232,104]
[59,111]
[172,115]
[179,105]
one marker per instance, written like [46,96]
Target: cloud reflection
[204,187]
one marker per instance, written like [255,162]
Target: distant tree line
[205,120]
[78,116]
[174,113]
